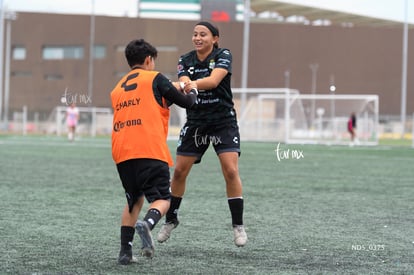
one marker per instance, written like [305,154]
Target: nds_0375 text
[367,247]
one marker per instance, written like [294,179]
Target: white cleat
[165,231]
[240,236]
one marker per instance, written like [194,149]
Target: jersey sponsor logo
[127,103]
[212,64]
[180,69]
[130,87]
[201,70]
[190,70]
[118,126]
[209,101]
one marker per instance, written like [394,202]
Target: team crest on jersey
[212,64]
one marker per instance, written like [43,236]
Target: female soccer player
[213,120]
[72,118]
[352,129]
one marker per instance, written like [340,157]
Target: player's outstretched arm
[208,83]
[168,90]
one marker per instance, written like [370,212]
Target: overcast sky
[385,9]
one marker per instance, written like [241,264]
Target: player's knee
[231,173]
[180,174]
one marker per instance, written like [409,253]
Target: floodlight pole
[1,56]
[91,53]
[404,71]
[245,57]
[9,16]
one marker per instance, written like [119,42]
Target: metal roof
[275,11]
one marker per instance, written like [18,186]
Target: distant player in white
[72,118]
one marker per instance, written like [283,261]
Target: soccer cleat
[240,236]
[166,229]
[125,258]
[144,233]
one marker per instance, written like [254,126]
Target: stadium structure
[303,50]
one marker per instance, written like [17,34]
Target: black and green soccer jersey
[214,106]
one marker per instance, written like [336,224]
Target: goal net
[285,115]
[92,121]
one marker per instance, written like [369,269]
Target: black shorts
[195,139]
[147,177]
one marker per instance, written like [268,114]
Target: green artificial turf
[308,210]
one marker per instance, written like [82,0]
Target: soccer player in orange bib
[141,102]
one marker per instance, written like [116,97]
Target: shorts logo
[183,131]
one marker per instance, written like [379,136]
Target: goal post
[285,115]
[92,121]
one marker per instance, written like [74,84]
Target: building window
[19,53]
[21,74]
[120,48]
[167,48]
[53,77]
[99,52]
[63,52]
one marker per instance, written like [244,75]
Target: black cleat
[144,233]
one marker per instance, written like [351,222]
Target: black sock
[236,210]
[172,213]
[152,217]
[127,236]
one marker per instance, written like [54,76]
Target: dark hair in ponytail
[213,29]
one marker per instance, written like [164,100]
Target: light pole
[404,70]
[91,53]
[9,16]
[1,57]
[245,59]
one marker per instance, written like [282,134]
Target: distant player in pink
[352,129]
[72,118]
